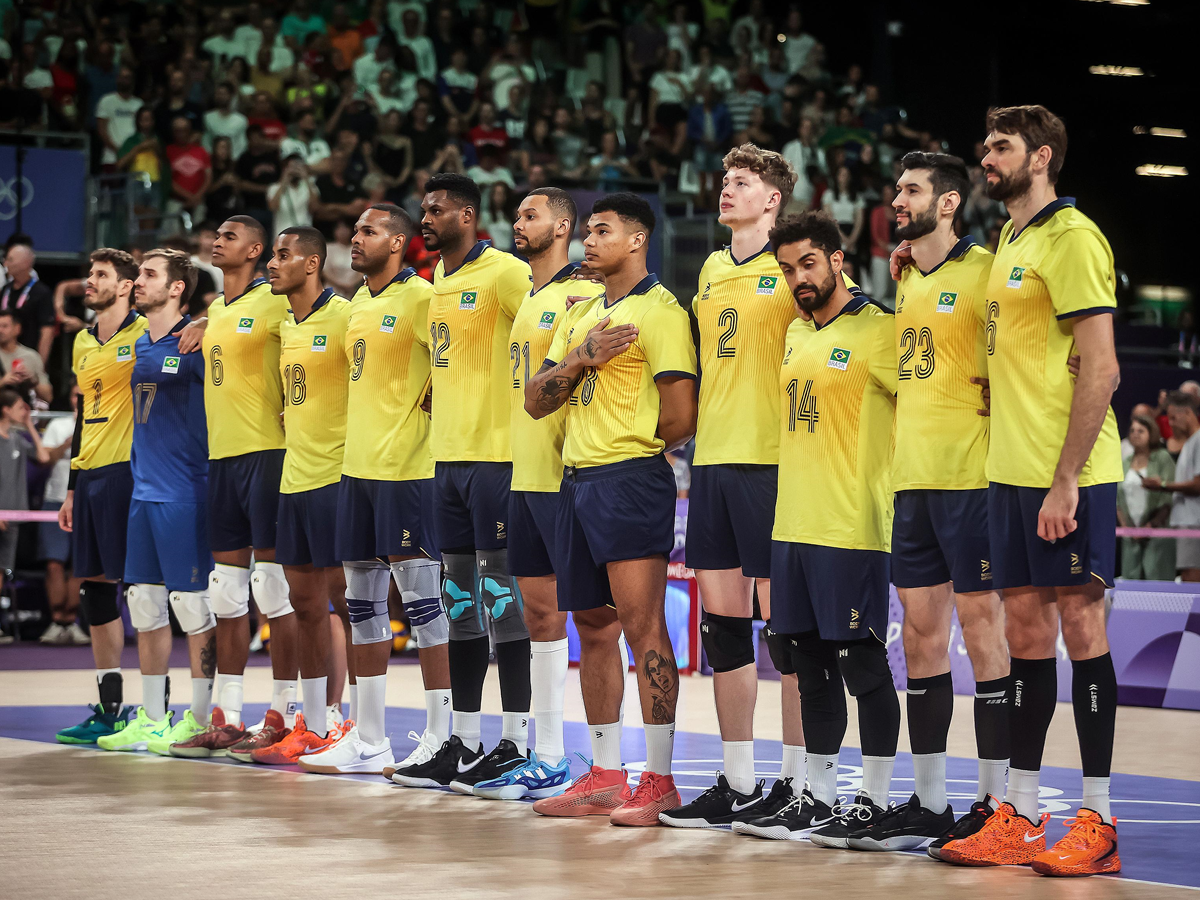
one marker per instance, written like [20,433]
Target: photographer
[293,198]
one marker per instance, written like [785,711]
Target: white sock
[930,772]
[202,691]
[660,747]
[100,673]
[228,690]
[993,778]
[1023,792]
[372,703]
[1095,797]
[316,712]
[739,764]
[437,714]
[606,745]
[822,777]
[466,726]
[354,701]
[795,766]
[283,700]
[154,696]
[548,681]
[877,778]
[516,729]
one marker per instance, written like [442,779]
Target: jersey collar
[473,254]
[641,287]
[561,275]
[324,298]
[741,262]
[857,301]
[1044,213]
[255,282]
[173,331]
[132,316]
[959,249]
[402,276]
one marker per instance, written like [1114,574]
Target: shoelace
[423,739]
[1081,834]
[648,786]
[850,811]
[891,813]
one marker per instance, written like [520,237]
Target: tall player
[626,365]
[96,508]
[1054,462]
[743,309]
[542,234]
[477,291]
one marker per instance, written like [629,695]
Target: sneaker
[968,825]
[55,634]
[334,720]
[653,795]
[95,726]
[498,762]
[272,732]
[350,755]
[138,733]
[427,745]
[451,760]
[780,796]
[597,792]
[793,822]
[300,742]
[1088,848]
[77,635]
[717,807]
[215,740]
[185,728]
[531,778]
[849,819]
[909,826]
[1007,838]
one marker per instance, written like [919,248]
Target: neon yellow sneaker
[183,730]
[137,734]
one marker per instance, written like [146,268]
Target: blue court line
[1158,819]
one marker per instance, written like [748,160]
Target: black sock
[991,718]
[879,721]
[512,661]
[930,707]
[468,669]
[1035,691]
[1094,697]
[112,692]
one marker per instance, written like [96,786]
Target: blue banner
[53,197]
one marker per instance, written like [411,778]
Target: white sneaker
[55,634]
[427,746]
[350,755]
[334,718]
[78,636]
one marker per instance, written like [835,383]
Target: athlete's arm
[192,334]
[551,387]
[65,512]
[676,410]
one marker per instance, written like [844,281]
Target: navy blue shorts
[308,528]
[98,518]
[243,500]
[731,511]
[940,536]
[471,505]
[53,542]
[532,533]
[841,594]
[380,518]
[1022,559]
[167,543]
[610,513]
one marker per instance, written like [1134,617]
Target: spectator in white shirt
[282,57]
[293,198]
[742,99]
[457,86]
[805,156]
[706,71]
[670,93]
[224,45]
[337,271]
[396,92]
[368,66]
[1185,505]
[508,67]
[116,115]
[223,120]
[307,143]
[412,35]
[489,171]
[798,43]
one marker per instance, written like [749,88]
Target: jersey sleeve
[558,346]
[420,319]
[883,356]
[1078,271]
[666,338]
[512,285]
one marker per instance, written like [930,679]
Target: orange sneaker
[299,743]
[1006,839]
[1088,848]
[654,794]
[597,792]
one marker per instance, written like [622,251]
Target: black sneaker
[781,795]
[451,761]
[717,807]
[797,819]
[909,826]
[849,819]
[968,825]
[495,764]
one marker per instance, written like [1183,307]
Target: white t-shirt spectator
[403,98]
[313,152]
[423,52]
[338,273]
[1185,510]
[222,49]
[121,116]
[216,274]
[484,178]
[37,79]
[58,432]
[222,123]
[796,50]
[802,157]
[505,75]
[718,76]
[842,208]
[672,87]
[293,203]
[367,69]
[282,57]
[396,10]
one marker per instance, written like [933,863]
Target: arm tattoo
[662,679]
[590,349]
[208,655]
[555,390]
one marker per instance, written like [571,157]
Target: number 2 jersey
[105,407]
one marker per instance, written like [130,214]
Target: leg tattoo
[662,677]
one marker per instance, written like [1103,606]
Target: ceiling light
[1160,171]
[1157,131]
[1127,71]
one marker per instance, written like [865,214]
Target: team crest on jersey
[1015,277]
[125,351]
[389,324]
[547,321]
[838,359]
[766,284]
[946,301]
[467,300]
[171,364]
[319,343]
[245,325]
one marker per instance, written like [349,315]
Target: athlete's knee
[98,600]
[418,583]
[864,666]
[147,606]
[500,596]
[728,641]
[192,611]
[924,649]
[781,654]
[814,663]
[366,602]
[229,591]
[271,591]
[459,596]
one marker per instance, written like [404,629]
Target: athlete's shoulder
[504,261]
[718,261]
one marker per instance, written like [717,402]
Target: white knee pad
[147,606]
[192,611]
[271,591]
[229,591]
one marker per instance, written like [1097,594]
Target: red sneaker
[1089,848]
[597,792]
[272,732]
[654,794]
[299,743]
[215,740]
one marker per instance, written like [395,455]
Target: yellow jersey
[537,443]
[106,398]
[387,343]
[1058,268]
[471,314]
[316,371]
[243,393]
[743,311]
[941,440]
[838,403]
[613,411]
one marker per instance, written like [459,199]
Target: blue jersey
[170,433]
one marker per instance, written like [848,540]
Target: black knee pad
[814,661]
[864,666]
[781,654]
[728,641]
[98,600]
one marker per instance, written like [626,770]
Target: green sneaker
[97,725]
[185,728]
[137,734]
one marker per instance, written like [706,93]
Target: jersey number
[728,321]
[294,376]
[993,313]
[143,399]
[910,343]
[360,357]
[97,387]
[439,335]
[802,405]
[215,366]
[590,374]
[515,352]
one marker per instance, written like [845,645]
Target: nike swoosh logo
[308,750]
[817,823]
[462,770]
[1030,838]
[738,807]
[363,758]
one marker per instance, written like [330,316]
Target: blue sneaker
[95,726]
[534,779]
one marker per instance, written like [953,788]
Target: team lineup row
[494,443]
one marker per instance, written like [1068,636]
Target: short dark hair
[179,268]
[946,173]
[399,221]
[817,227]
[559,201]
[252,224]
[10,314]
[18,238]
[8,397]
[1185,399]
[311,241]
[1038,127]
[126,268]
[630,207]
[459,188]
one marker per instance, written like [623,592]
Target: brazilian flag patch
[125,351]
[319,342]
[389,324]
[946,301]
[245,325]
[547,321]
[766,284]
[838,359]
[171,364]
[1015,277]
[467,300]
